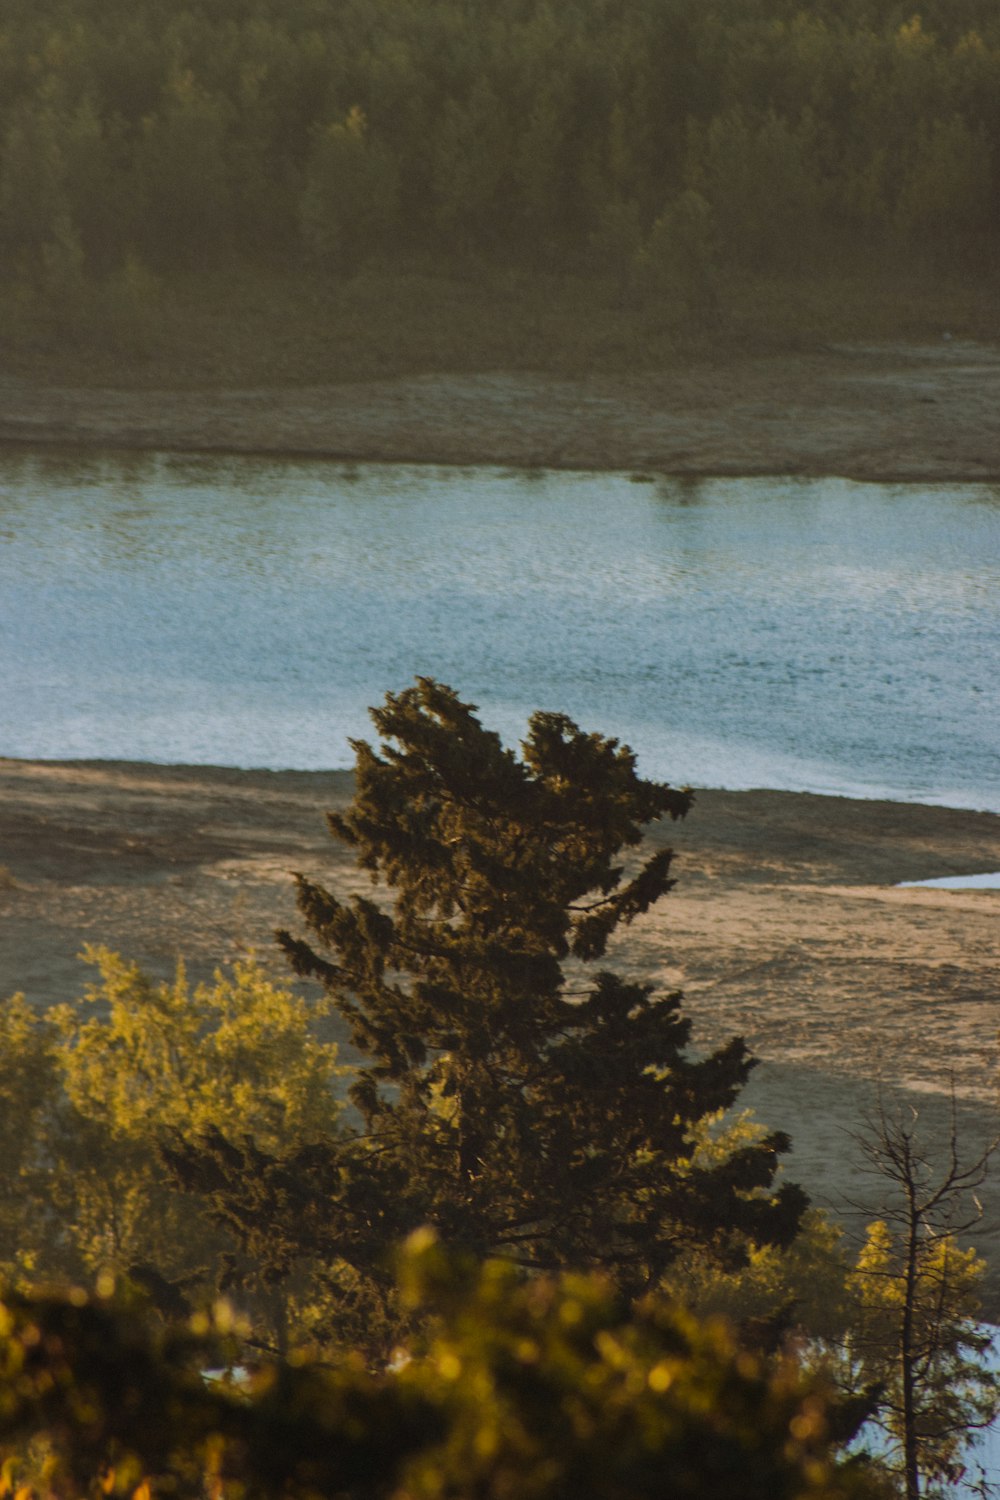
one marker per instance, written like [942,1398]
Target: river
[814,635]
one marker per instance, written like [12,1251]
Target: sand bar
[786,925]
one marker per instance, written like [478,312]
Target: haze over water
[808,635]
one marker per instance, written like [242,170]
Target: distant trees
[681,255]
[186,136]
[182,175]
[763,179]
[350,198]
[947,190]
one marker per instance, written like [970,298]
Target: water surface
[818,635]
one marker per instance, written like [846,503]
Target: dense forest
[656,142]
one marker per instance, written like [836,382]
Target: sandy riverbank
[880,412]
[786,925]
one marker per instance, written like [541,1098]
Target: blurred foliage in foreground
[518,1391]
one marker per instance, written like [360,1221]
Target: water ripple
[817,635]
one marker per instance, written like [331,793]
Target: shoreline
[932,474]
[322,775]
[886,413]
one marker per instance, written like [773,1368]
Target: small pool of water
[989,882]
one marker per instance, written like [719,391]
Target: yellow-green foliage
[87,1098]
[801,1288]
[240,1054]
[954,1393]
[28,1085]
[550,1388]
[946,1290]
[521,1391]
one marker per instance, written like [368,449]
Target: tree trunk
[911,1468]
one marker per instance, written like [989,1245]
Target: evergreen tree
[519,1105]
[349,202]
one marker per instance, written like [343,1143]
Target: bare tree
[917,1331]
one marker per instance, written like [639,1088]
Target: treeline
[667,134]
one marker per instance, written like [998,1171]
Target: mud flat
[912,411]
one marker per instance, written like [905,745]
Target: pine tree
[510,1098]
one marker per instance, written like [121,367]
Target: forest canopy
[659,135]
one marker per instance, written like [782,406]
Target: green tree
[679,257]
[84,1190]
[350,198]
[129,306]
[947,192]
[799,1289]
[616,243]
[762,179]
[539,164]
[33,189]
[96,186]
[521,1106]
[471,144]
[182,175]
